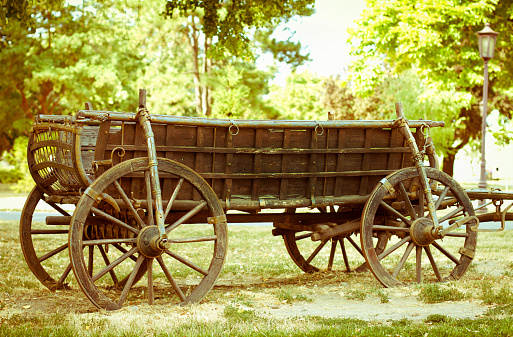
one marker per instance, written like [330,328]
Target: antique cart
[130,188]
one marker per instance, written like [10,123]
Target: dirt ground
[324,297]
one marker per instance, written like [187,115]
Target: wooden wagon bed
[251,165]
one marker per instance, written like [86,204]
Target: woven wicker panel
[50,158]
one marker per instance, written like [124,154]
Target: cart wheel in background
[181,274]
[313,256]
[45,248]
[413,254]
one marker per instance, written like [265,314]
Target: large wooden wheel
[397,208]
[45,248]
[122,227]
[313,256]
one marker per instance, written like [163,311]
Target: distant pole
[486,40]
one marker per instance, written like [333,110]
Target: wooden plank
[284,182]
[199,162]
[312,180]
[257,165]
[364,180]
[340,163]
[267,151]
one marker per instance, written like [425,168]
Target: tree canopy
[436,40]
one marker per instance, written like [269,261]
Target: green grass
[254,252]
[436,293]
[246,323]
[290,295]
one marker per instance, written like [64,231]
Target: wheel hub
[148,242]
[422,231]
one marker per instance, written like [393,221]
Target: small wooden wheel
[123,228]
[313,256]
[398,210]
[45,248]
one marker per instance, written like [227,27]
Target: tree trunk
[207,97]
[448,163]
[194,36]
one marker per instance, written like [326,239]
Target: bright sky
[324,35]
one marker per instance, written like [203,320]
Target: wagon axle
[150,243]
[423,232]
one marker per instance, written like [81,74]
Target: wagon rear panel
[251,168]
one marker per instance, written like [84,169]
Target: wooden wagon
[135,182]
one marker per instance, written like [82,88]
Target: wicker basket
[51,157]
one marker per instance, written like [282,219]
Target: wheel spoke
[131,280]
[396,213]
[115,263]
[124,251]
[114,220]
[186,217]
[171,279]
[407,200]
[52,253]
[187,262]
[107,262]
[427,249]
[173,198]
[418,263]
[422,196]
[446,253]
[451,214]
[332,254]
[355,245]
[441,197]
[316,251]
[64,275]
[390,228]
[49,231]
[393,248]
[195,239]
[108,241]
[57,208]
[458,235]
[128,203]
[90,260]
[401,263]
[151,294]
[344,255]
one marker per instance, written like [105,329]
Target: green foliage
[17,157]
[437,40]
[436,293]
[300,98]
[230,21]
[230,96]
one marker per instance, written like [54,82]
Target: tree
[67,60]
[300,98]
[437,39]
[227,23]
[207,56]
